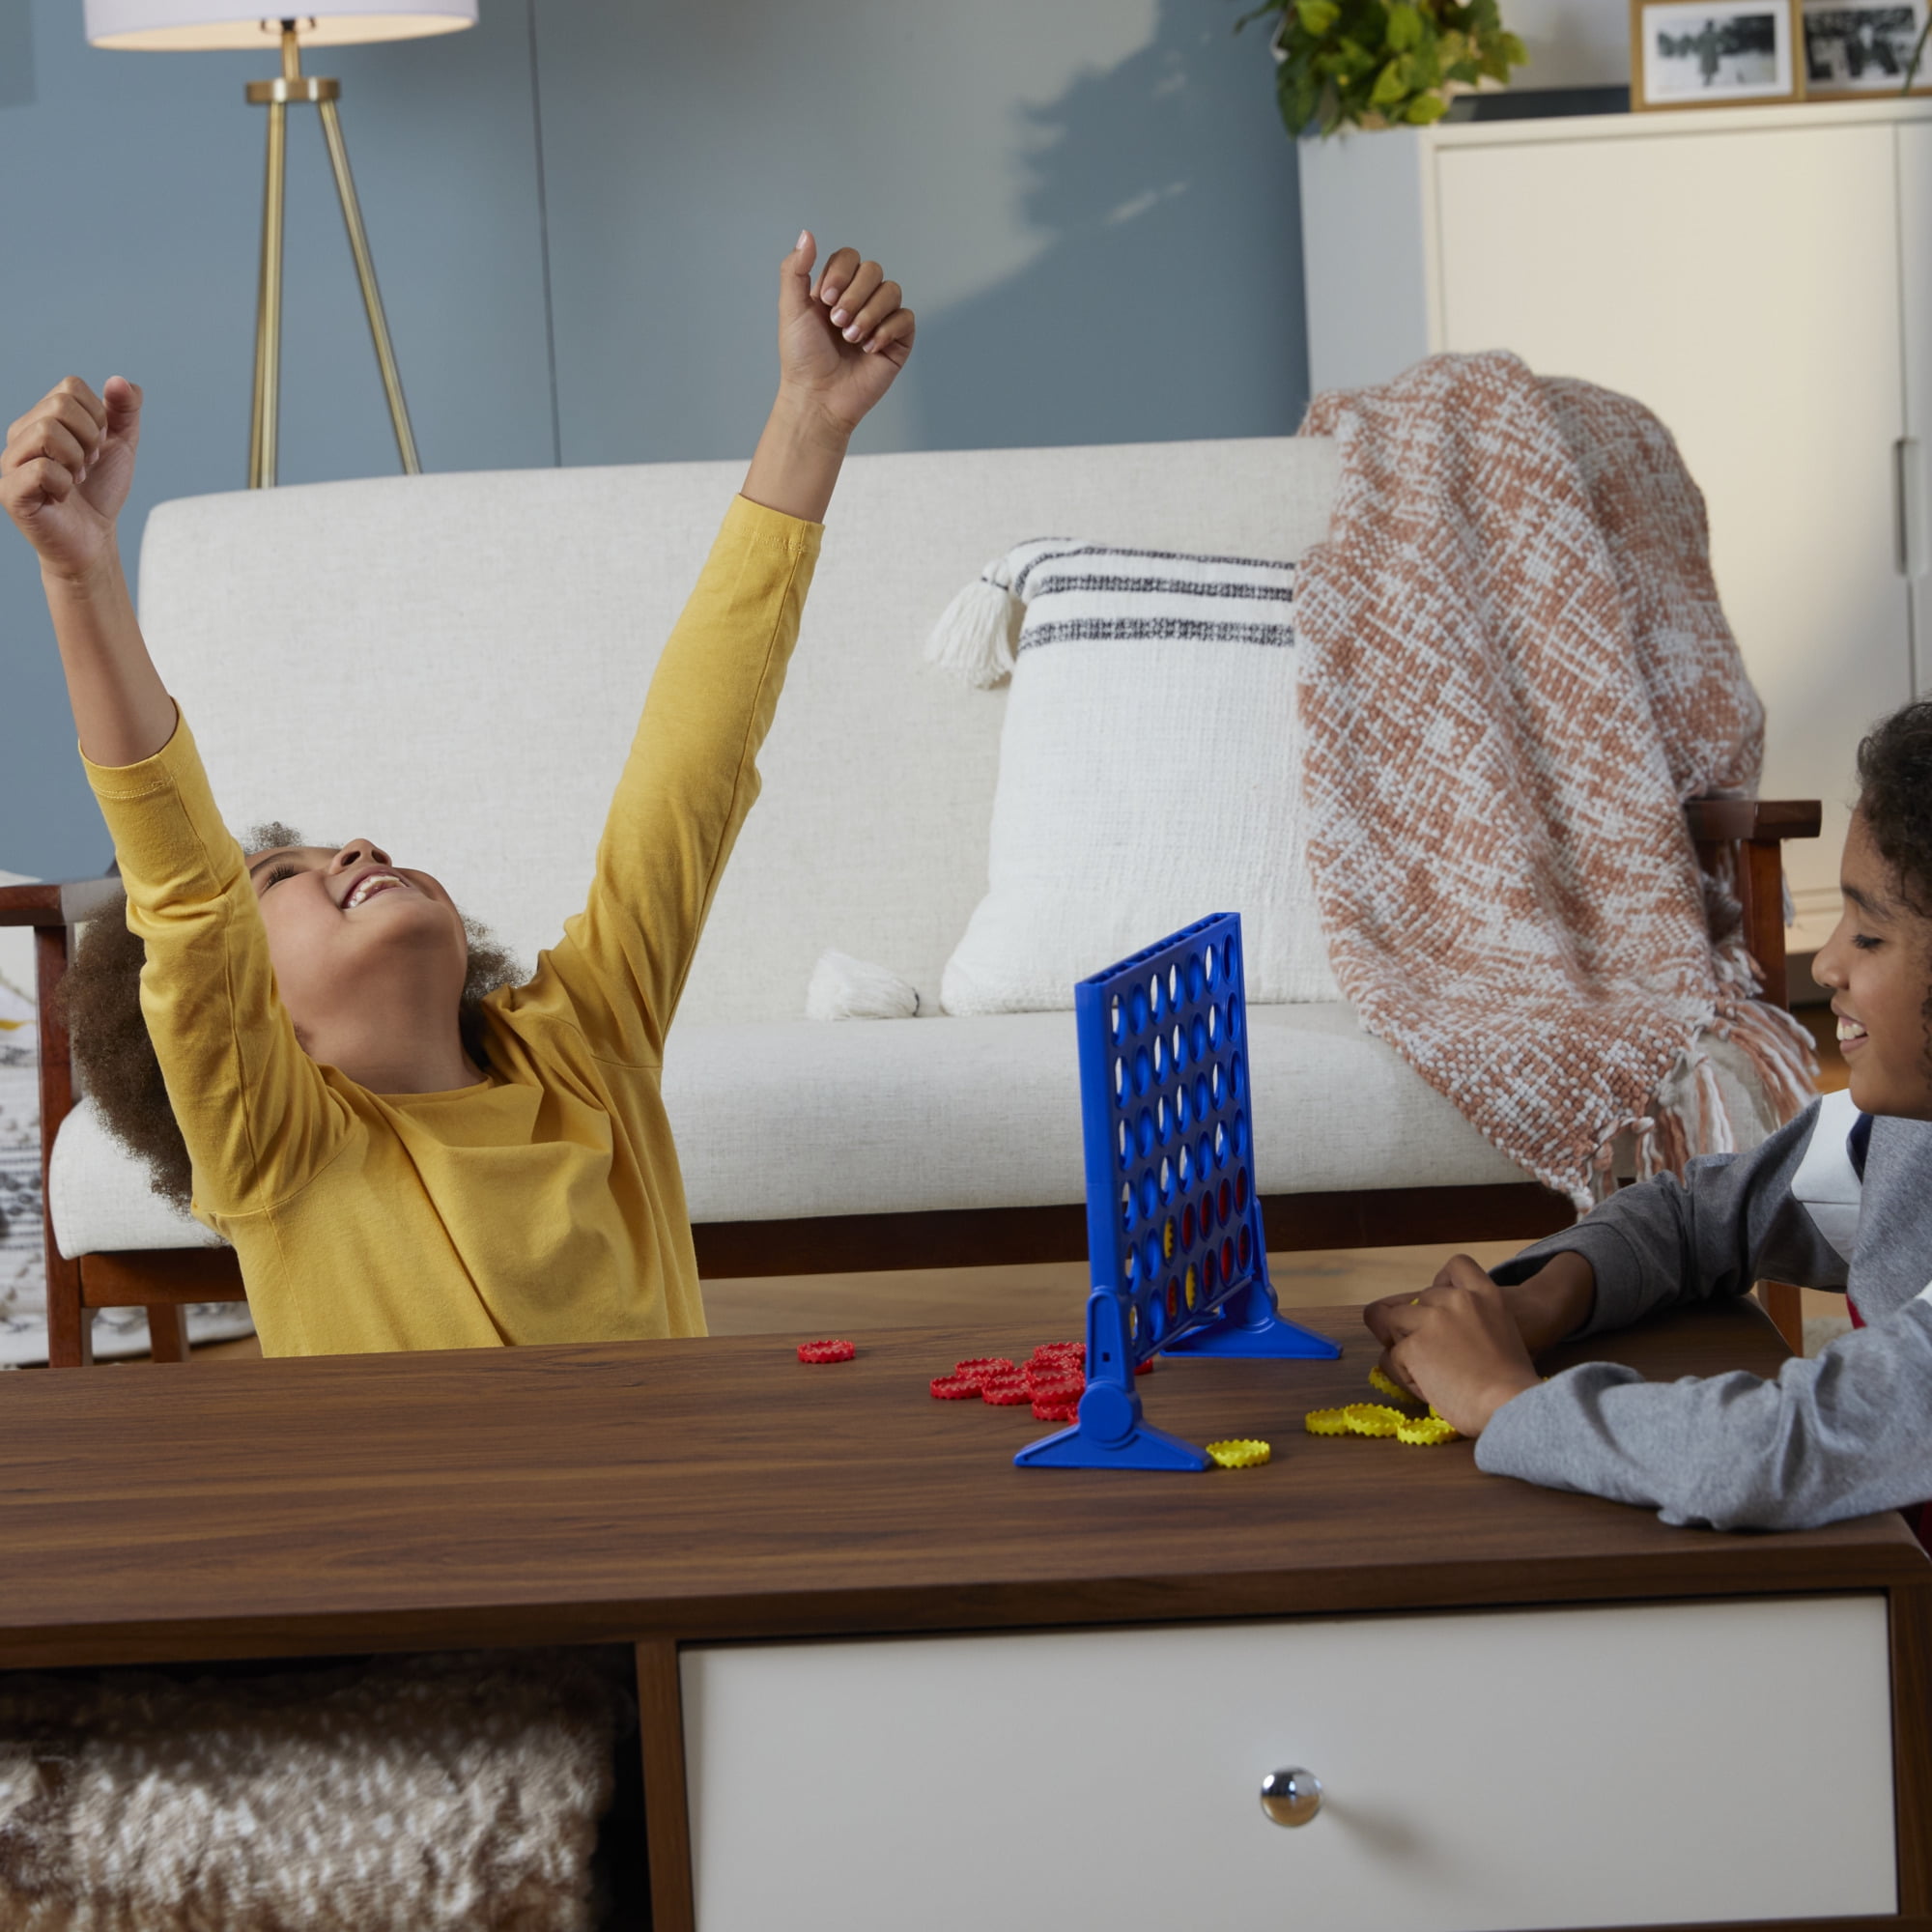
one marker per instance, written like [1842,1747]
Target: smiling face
[351,936]
[1878,964]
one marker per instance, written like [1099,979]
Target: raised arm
[251,1105]
[692,773]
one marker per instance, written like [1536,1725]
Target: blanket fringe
[1689,1115]
[1780,1050]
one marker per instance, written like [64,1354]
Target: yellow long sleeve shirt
[544,1204]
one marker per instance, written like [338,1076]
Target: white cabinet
[1762,279]
[1480,1771]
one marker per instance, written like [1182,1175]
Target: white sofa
[453,664]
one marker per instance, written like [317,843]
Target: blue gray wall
[576,209]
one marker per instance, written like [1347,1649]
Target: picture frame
[1856,49]
[1717,53]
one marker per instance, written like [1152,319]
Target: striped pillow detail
[1102,592]
[1053,590]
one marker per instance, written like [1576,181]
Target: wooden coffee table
[889,1678]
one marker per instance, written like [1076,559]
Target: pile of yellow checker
[1375,1418]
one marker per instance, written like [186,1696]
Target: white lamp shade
[188,25]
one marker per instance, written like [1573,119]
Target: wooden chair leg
[167,1332]
[69,1325]
[1786,1305]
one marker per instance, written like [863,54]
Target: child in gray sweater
[1842,1197]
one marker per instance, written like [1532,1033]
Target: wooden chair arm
[30,906]
[1755,829]
[56,903]
[1716,821]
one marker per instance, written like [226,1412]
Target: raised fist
[67,469]
[842,340]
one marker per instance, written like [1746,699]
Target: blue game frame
[1179,1261]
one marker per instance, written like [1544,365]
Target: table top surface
[723,1488]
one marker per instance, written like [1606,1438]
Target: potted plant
[1383,63]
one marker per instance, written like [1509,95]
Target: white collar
[1827,1182]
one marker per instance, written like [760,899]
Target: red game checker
[1058,1389]
[984,1367]
[826,1352]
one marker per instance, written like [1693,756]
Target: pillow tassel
[844,988]
[977,633]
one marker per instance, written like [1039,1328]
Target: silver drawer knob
[1291,1796]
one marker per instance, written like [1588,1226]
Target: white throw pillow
[1150,771]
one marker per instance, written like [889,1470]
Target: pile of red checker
[1052,1381]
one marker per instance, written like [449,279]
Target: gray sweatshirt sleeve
[1842,1434]
[1731,1222]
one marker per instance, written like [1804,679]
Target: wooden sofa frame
[164,1281]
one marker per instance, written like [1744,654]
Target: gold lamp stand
[275,96]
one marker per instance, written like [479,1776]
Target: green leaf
[1391,85]
[1350,62]
[1345,61]
[1295,92]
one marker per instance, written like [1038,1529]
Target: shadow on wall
[1167,300]
[16,53]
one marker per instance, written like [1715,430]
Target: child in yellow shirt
[390,1177]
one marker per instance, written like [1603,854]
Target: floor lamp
[183,25]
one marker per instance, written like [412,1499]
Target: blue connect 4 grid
[1174,1226]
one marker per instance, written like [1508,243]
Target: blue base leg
[1111,1435]
[1253,1326]
[1147,1448]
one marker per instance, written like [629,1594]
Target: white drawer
[1502,1770]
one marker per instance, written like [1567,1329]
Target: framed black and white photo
[1715,53]
[1855,48]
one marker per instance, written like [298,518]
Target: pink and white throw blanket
[1513,673]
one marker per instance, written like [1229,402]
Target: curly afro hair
[100,1001]
[1895,798]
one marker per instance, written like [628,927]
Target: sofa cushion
[1149,776]
[892,1116]
[779,1120]
[804,1118]
[100,1200]
[783,1119]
